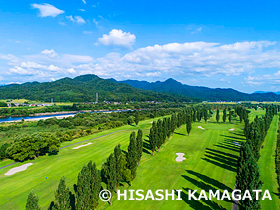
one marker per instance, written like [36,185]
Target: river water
[12,119]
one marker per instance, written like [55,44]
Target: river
[59,116]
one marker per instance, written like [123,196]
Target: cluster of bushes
[119,167]
[28,146]
[3,151]
[32,146]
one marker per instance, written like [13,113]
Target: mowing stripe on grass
[267,166]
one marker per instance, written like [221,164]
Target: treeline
[163,129]
[277,157]
[118,168]
[26,111]
[248,175]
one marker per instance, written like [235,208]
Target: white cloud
[51,53]
[76,19]
[118,38]
[95,21]
[82,10]
[71,70]
[87,32]
[84,1]
[47,10]
[68,58]
[248,60]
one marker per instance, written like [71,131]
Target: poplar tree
[32,202]
[173,123]
[159,134]
[137,117]
[194,115]
[224,115]
[94,181]
[139,145]
[119,164]
[248,177]
[152,139]
[229,116]
[189,124]
[62,196]
[217,115]
[83,189]
[132,156]
[205,114]
[164,130]
[110,174]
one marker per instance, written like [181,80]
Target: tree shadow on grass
[277,194]
[210,180]
[232,142]
[232,161]
[199,184]
[222,165]
[227,147]
[195,204]
[233,137]
[181,134]
[238,133]
[124,152]
[223,160]
[146,146]
[223,153]
[230,145]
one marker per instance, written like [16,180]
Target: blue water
[9,119]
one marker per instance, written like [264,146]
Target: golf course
[211,151]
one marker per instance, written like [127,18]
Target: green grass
[267,167]
[210,164]
[254,113]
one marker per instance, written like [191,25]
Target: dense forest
[82,89]
[196,93]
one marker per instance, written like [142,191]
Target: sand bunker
[201,127]
[237,144]
[232,129]
[18,169]
[180,157]
[82,146]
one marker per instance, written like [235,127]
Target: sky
[218,44]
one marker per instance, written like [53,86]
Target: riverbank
[58,115]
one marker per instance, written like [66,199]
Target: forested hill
[83,89]
[202,93]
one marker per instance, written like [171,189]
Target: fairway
[267,166]
[210,164]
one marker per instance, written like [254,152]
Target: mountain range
[201,93]
[84,88]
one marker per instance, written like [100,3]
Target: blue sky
[226,44]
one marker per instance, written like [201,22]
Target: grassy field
[267,167]
[211,161]
[254,113]
[210,164]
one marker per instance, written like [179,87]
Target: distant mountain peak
[199,93]
[86,77]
